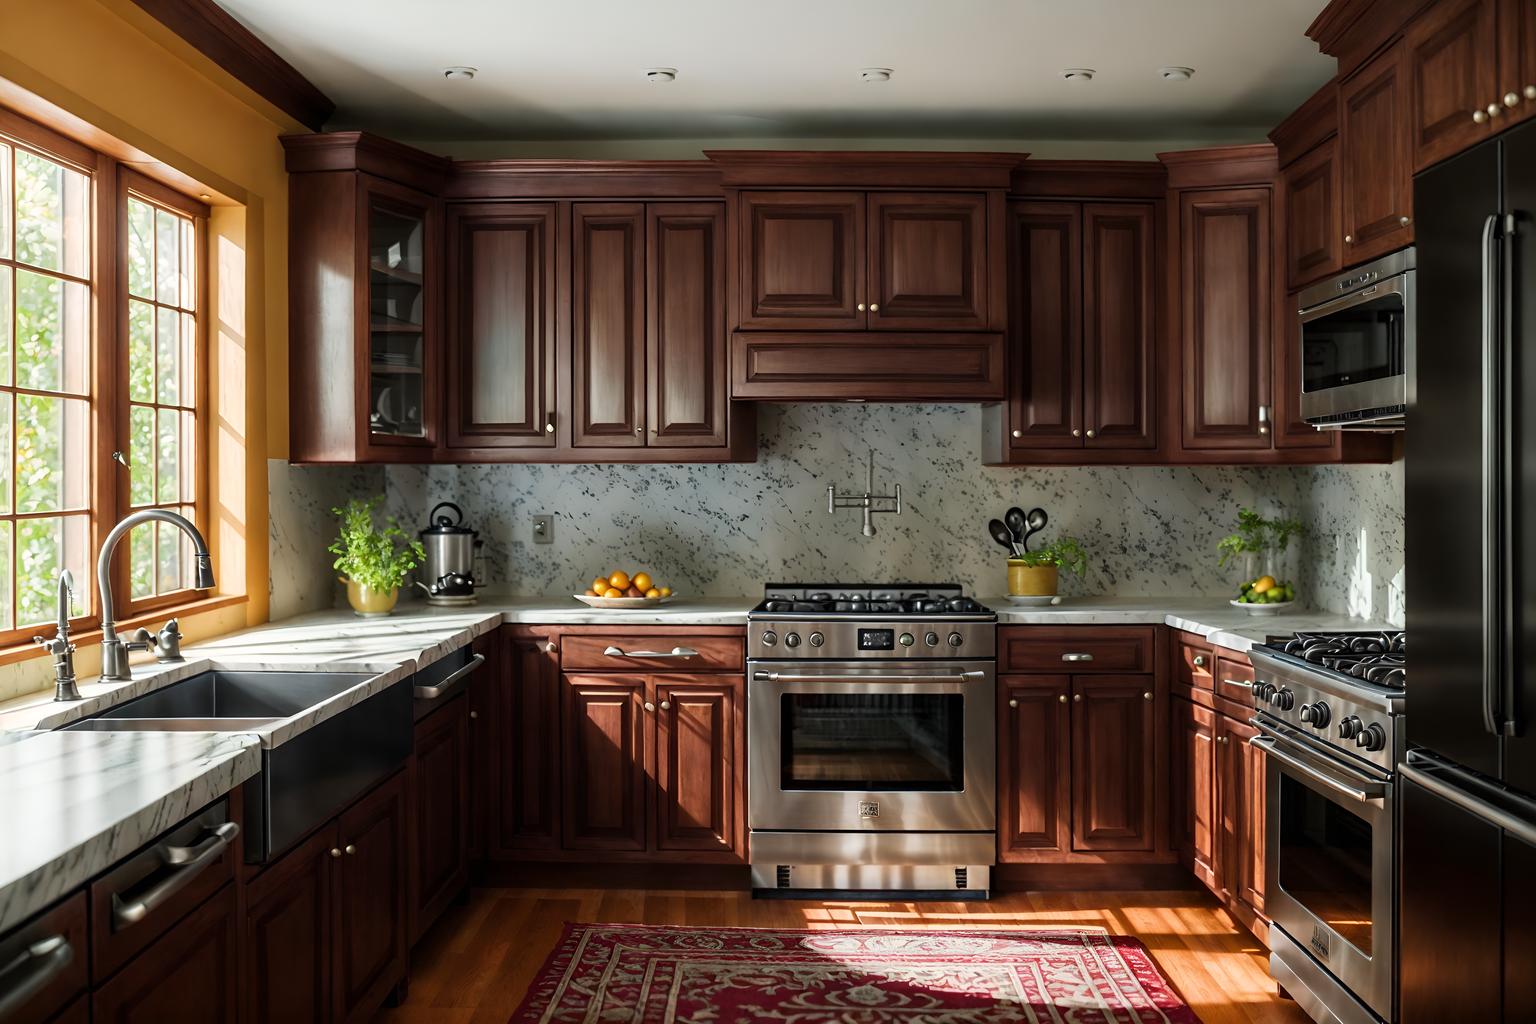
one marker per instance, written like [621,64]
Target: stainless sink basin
[313,772]
[223,701]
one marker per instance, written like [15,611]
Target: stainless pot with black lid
[453,551]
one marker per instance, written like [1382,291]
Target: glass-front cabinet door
[401,333]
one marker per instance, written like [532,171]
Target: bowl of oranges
[621,590]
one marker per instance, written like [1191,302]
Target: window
[101,377]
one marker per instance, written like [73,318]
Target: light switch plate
[543,529]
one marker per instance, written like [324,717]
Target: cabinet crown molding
[1090,179]
[1255,164]
[1352,30]
[873,169]
[364,151]
[1312,123]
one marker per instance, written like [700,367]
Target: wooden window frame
[111,181]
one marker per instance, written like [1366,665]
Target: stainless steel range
[1330,720]
[871,721]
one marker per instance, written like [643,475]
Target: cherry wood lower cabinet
[190,974]
[326,931]
[525,746]
[440,804]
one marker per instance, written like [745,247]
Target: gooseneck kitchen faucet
[114,650]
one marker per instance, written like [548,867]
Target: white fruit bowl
[1262,609]
[622,602]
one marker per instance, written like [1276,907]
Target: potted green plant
[373,562]
[1260,543]
[1038,573]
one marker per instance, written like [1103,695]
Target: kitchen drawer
[1194,663]
[669,651]
[142,897]
[1234,678]
[1078,650]
[190,975]
[53,972]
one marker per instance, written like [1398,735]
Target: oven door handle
[777,677]
[1362,791]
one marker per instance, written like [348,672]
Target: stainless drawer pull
[434,692]
[868,677]
[676,652]
[189,862]
[1362,791]
[1246,684]
[1076,657]
[32,970]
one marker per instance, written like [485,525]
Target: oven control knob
[906,640]
[1372,737]
[1263,691]
[791,639]
[1284,700]
[1349,727]
[1315,715]
[955,639]
[931,639]
[770,638]
[817,639]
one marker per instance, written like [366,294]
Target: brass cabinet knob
[1199,661]
[550,647]
[1062,698]
[1013,703]
[1530,92]
[1511,99]
[549,425]
[1478,117]
[1092,433]
[474,714]
[350,849]
[639,431]
[861,307]
[335,852]
[1493,110]
[666,705]
[1077,698]
[1018,433]
[649,706]
[1076,432]
[1147,695]
[1405,221]
[874,307]
[1349,238]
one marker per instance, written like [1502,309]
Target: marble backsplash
[1354,552]
[300,527]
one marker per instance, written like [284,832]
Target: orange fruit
[665,591]
[599,584]
[613,592]
[619,580]
[653,593]
[642,580]
[591,592]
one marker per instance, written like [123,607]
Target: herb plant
[1067,553]
[371,557]
[1257,535]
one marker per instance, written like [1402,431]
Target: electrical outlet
[543,529]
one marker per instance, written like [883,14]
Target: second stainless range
[870,712]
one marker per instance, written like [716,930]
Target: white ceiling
[756,69]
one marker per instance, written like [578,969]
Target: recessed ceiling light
[874,74]
[1078,74]
[660,74]
[459,74]
[1176,74]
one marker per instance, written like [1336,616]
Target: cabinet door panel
[685,325]
[1313,239]
[191,973]
[927,260]
[1194,788]
[1451,72]
[1112,762]
[802,261]
[369,901]
[1118,326]
[1241,787]
[1375,160]
[501,363]
[528,729]
[1226,317]
[288,936]
[1517,54]
[605,764]
[440,804]
[1034,766]
[1289,429]
[698,771]
[484,687]
[1045,331]
[607,325]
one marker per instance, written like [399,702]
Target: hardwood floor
[474,966]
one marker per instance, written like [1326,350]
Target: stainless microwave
[1356,346]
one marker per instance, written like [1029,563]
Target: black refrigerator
[1467,847]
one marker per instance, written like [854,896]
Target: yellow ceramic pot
[367,601]
[1031,580]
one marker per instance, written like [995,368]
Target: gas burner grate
[892,599]
[1378,657]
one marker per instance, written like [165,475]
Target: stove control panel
[845,639]
[1357,718]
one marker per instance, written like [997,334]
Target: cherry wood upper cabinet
[1453,76]
[1517,56]
[1045,333]
[927,262]
[802,263]
[1375,158]
[1033,765]
[1119,359]
[501,363]
[606,755]
[1314,243]
[1288,430]
[608,325]
[1227,309]
[1113,741]
[685,324]
[700,720]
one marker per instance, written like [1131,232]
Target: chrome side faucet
[114,649]
[63,651]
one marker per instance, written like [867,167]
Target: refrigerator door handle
[1427,776]
[1492,464]
[1509,711]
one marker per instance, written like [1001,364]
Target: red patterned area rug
[639,974]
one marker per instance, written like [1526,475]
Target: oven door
[855,746]
[1354,354]
[1329,862]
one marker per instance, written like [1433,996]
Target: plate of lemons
[1264,596]
[620,589]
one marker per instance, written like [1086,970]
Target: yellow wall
[115,67]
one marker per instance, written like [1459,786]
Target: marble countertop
[74,803]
